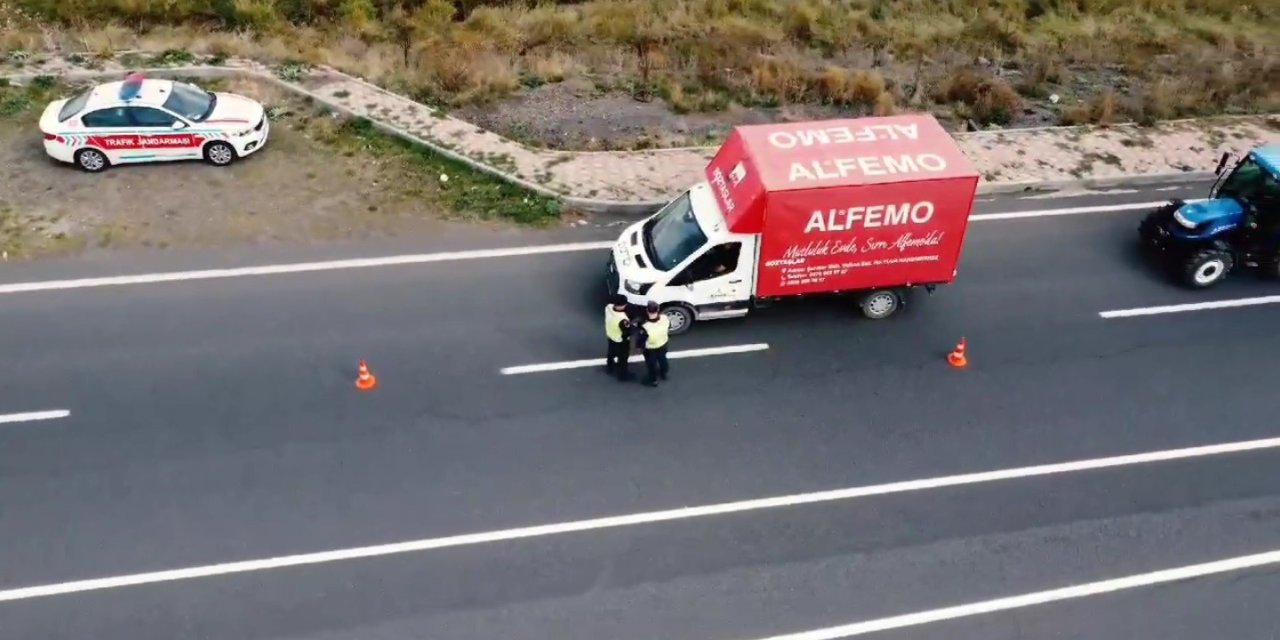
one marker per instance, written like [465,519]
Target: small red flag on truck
[844,205]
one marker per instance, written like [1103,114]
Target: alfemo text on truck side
[843,135]
[870,217]
[831,168]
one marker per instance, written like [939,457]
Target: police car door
[161,135]
[111,130]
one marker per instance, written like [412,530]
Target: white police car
[151,120]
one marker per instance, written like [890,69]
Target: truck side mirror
[1222,163]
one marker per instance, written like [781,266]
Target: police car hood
[233,109]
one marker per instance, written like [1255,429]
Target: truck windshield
[1250,181]
[674,234]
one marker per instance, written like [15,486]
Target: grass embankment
[1108,60]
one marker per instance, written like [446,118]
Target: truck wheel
[878,305]
[680,317]
[1206,267]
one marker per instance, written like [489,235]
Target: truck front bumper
[612,279]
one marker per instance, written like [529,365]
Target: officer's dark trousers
[616,360]
[655,360]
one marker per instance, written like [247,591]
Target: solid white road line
[33,416]
[301,267]
[1069,211]
[1188,572]
[634,519]
[451,256]
[599,362]
[1193,306]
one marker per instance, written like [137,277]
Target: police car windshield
[674,234]
[190,102]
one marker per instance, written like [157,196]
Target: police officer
[655,332]
[618,328]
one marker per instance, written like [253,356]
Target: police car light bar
[132,85]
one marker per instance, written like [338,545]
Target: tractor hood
[1210,211]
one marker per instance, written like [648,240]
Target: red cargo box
[847,204]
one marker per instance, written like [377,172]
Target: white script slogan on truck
[858,251]
[830,168]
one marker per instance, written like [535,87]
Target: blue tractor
[1239,224]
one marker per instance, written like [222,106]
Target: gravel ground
[582,114]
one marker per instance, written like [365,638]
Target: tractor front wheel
[1207,267]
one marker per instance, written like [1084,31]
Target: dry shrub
[885,105]
[1043,68]
[779,79]
[550,26]
[992,33]
[460,75]
[827,26]
[1101,109]
[498,26]
[554,67]
[695,100]
[15,40]
[988,100]
[836,85]
[961,86]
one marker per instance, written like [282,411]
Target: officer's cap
[618,300]
[652,307]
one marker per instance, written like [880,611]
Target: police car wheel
[680,317]
[91,160]
[219,154]
[878,305]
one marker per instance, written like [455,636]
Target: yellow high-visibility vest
[658,332]
[611,320]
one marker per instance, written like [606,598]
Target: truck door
[718,278]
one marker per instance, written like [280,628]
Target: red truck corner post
[845,205]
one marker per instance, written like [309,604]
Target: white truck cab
[685,258]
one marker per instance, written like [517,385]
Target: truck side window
[720,260]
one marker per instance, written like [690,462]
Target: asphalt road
[215,421]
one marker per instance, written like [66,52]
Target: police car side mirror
[178,124]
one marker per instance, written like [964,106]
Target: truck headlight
[1182,220]
[638,288]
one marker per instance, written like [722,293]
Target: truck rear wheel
[1207,267]
[680,317]
[878,305]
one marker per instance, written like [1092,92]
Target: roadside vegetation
[989,63]
[321,178]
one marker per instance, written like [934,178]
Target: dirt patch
[319,178]
[582,115]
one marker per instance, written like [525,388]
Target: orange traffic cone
[956,358]
[365,380]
